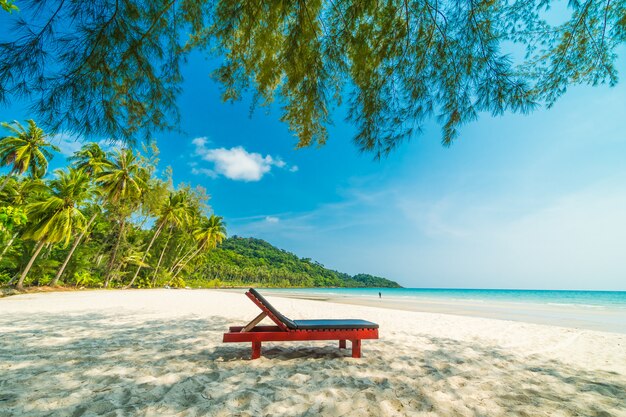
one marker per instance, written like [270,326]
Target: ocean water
[583,299]
[594,310]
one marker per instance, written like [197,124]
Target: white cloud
[111,144]
[204,171]
[294,168]
[200,142]
[235,163]
[67,143]
[272,219]
[239,164]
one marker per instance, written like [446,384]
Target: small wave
[577,305]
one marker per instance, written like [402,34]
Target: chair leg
[356,348]
[256,350]
[342,344]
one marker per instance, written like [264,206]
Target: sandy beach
[160,353]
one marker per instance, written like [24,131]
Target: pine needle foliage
[112,67]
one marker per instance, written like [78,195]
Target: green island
[242,261]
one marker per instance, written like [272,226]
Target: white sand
[160,353]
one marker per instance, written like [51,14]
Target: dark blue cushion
[334,324]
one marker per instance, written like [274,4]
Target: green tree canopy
[123,179]
[11,217]
[395,63]
[25,149]
[55,218]
[90,158]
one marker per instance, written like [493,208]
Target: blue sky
[536,201]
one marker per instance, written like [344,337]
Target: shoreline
[567,316]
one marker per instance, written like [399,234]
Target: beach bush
[44,280]
[143,282]
[177,282]
[86,279]
[214,283]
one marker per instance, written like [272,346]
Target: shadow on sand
[98,364]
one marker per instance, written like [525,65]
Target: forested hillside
[248,261]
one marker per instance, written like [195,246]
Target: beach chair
[298,330]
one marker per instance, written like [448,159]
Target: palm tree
[208,235]
[25,150]
[122,181]
[17,194]
[55,218]
[90,158]
[11,220]
[175,211]
[83,181]
[189,205]
[122,178]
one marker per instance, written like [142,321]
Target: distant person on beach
[380,295]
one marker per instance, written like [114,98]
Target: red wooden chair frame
[279,333]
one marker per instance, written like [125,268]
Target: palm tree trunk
[189,259]
[20,283]
[49,247]
[143,258]
[156,270]
[5,182]
[6,248]
[184,264]
[180,261]
[13,278]
[114,254]
[178,251]
[74,246]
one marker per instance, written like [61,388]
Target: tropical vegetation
[105,220]
[395,65]
[108,220]
[249,261]
[25,150]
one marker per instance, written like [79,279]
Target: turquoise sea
[591,299]
[594,310]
